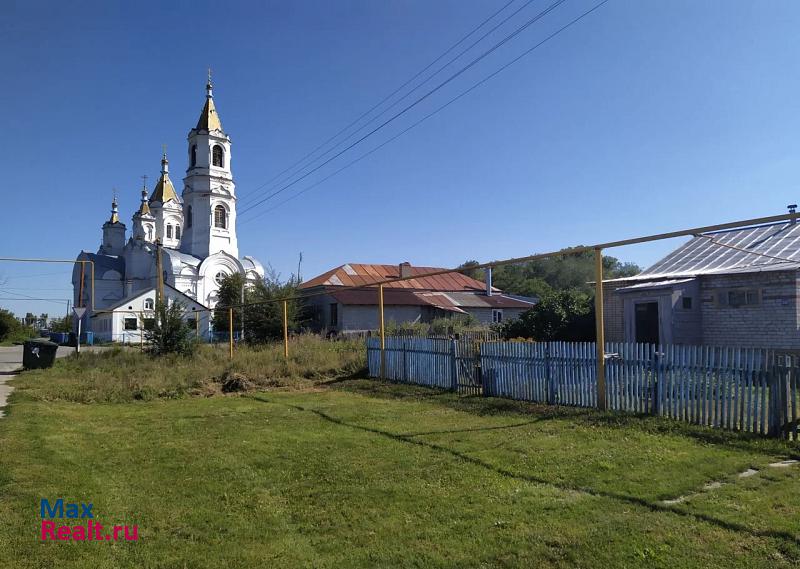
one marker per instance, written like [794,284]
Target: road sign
[79,311]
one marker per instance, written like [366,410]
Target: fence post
[230,331]
[453,366]
[774,418]
[285,330]
[548,375]
[600,324]
[405,364]
[383,332]
[657,385]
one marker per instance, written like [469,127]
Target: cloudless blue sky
[646,116]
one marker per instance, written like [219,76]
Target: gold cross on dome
[144,180]
[209,74]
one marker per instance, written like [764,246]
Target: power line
[472,63]
[393,93]
[435,111]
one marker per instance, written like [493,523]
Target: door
[646,322]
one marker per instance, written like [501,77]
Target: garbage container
[38,353]
[87,338]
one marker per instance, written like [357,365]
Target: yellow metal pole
[80,288]
[600,323]
[383,331]
[230,330]
[285,329]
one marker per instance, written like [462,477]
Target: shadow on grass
[487,406]
[619,497]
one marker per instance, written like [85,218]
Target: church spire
[209,119]
[164,190]
[144,207]
[114,210]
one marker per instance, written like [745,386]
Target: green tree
[263,310]
[560,316]
[169,332]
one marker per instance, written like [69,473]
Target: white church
[197,231]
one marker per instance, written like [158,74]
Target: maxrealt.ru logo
[88,531]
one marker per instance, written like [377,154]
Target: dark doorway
[647,322]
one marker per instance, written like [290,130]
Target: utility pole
[160,269]
[299,261]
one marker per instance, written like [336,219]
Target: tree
[560,316]
[8,324]
[263,310]
[169,332]
[544,276]
[63,324]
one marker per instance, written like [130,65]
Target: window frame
[221,208]
[497,315]
[127,326]
[333,314]
[215,150]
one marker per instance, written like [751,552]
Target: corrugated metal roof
[772,247]
[353,274]
[654,285]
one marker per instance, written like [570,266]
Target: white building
[197,231]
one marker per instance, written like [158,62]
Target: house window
[131,324]
[177,232]
[148,323]
[686,302]
[334,320]
[169,231]
[497,315]
[220,217]
[739,297]
[217,156]
[149,304]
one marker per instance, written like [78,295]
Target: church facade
[196,232]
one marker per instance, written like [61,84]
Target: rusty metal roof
[354,274]
[452,301]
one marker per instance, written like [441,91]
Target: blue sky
[644,117]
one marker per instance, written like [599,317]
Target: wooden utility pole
[160,269]
[230,331]
[600,323]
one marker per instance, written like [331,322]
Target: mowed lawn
[367,474]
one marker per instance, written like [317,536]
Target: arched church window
[149,304]
[217,156]
[220,217]
[189,216]
[194,155]
[149,233]
[177,232]
[219,277]
[169,231]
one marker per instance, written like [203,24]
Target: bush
[168,332]
[12,330]
[560,316]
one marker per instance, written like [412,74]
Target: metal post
[80,288]
[141,332]
[383,331]
[197,324]
[230,331]
[78,338]
[600,323]
[285,330]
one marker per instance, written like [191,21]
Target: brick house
[336,306]
[727,288]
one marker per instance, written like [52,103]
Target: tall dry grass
[125,374]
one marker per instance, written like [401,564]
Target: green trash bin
[38,353]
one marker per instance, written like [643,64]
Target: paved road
[10,362]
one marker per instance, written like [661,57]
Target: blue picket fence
[742,389]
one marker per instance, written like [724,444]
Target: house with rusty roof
[345,301]
[728,288]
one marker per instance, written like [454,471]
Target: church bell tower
[209,201]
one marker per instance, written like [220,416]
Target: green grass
[357,473]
